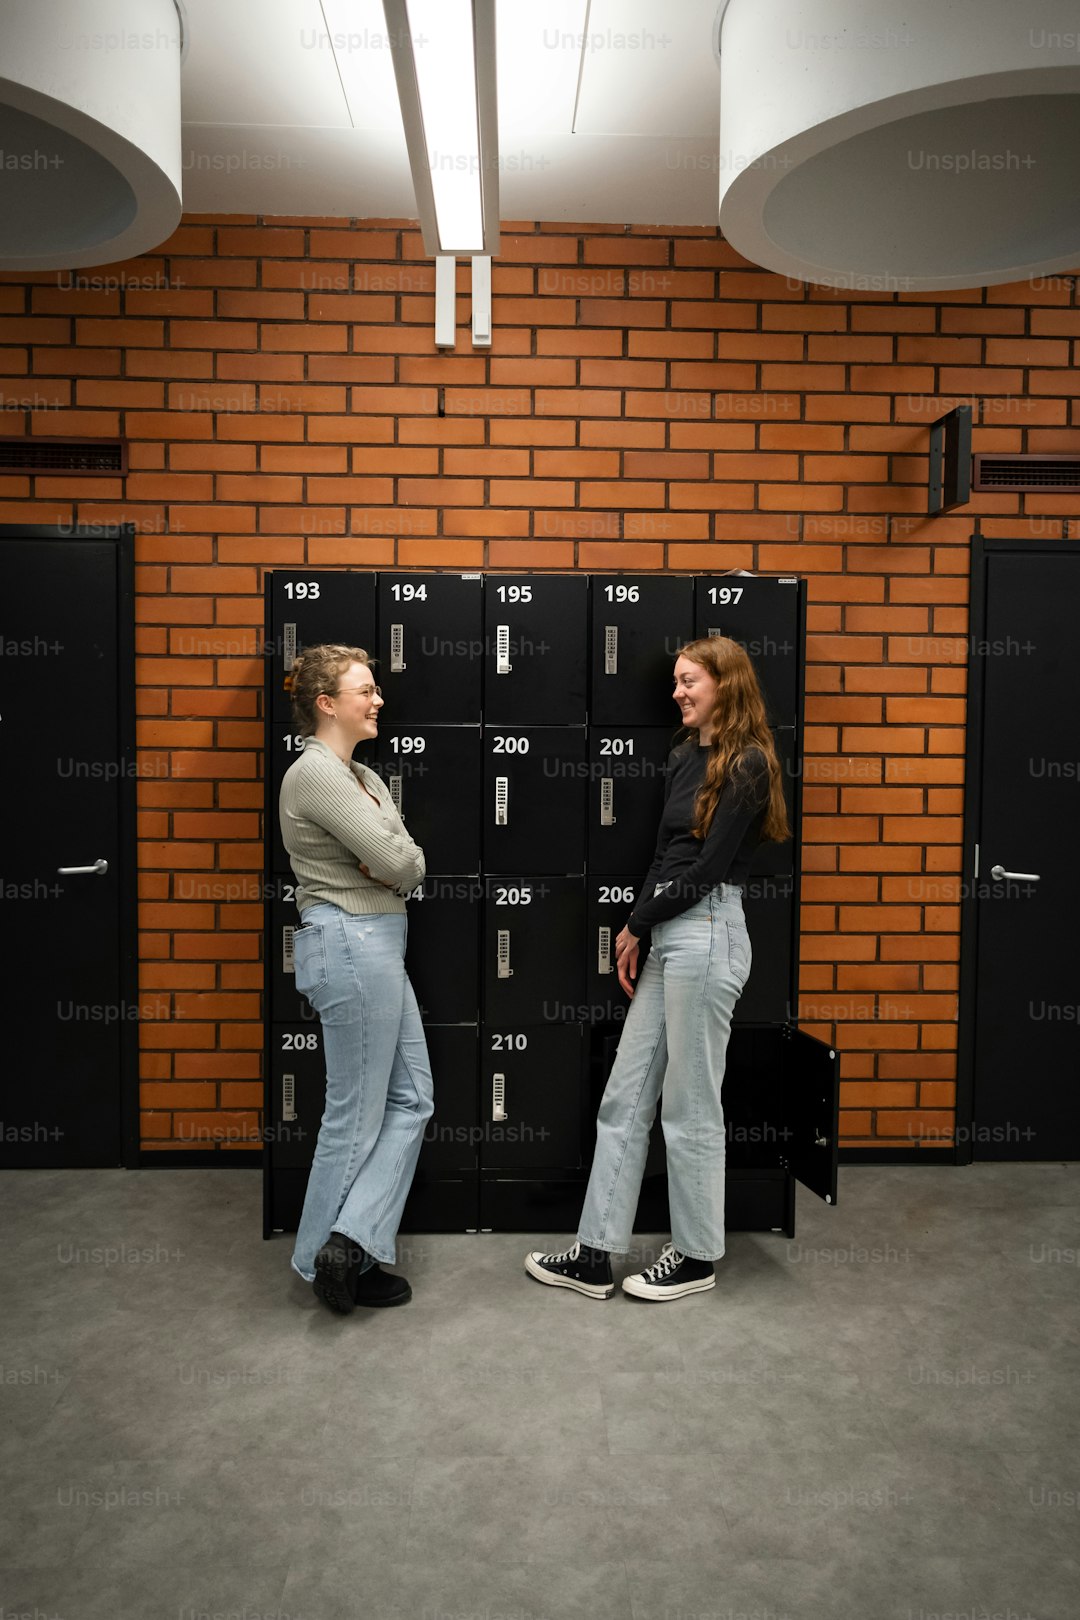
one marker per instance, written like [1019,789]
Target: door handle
[498,1096]
[99,868]
[999,872]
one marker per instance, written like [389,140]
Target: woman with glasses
[723,796]
[354,864]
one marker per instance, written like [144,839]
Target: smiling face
[695,694]
[354,708]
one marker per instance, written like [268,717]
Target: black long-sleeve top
[691,866]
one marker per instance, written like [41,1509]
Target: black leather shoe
[377,1287]
[336,1262]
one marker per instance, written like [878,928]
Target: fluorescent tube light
[444,61]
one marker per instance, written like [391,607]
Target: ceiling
[290,107]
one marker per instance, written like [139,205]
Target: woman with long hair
[354,864]
[723,796]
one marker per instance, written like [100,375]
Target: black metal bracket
[950,461]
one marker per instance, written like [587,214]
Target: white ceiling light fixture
[444,61]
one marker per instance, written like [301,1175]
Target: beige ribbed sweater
[329,826]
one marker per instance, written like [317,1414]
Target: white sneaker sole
[644,1290]
[590,1290]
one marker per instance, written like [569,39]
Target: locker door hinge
[603,950]
[288,958]
[288,1097]
[503,666]
[397,648]
[502,801]
[611,649]
[502,953]
[498,1096]
[607,801]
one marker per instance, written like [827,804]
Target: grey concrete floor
[877,1420]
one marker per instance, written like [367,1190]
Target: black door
[444,1192]
[442,953]
[433,774]
[67,831]
[764,614]
[638,626]
[430,647]
[536,637]
[626,795]
[287,1005]
[533,957]
[533,1105]
[771,920]
[609,900]
[1021,989]
[309,607]
[534,798]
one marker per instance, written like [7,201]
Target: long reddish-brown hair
[739,722]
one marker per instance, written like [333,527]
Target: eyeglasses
[361,691]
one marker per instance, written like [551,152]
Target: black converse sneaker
[588,1271]
[672,1276]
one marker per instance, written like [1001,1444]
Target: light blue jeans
[379,1093]
[674,1040]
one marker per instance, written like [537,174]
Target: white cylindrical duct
[90,161]
[902,144]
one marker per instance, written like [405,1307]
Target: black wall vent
[1054,474]
[86,457]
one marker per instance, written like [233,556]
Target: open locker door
[811,1084]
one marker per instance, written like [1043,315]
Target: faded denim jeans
[674,1040]
[379,1093]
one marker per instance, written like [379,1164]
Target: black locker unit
[444,1191]
[432,775]
[781,1096]
[533,935]
[442,953]
[769,907]
[287,1005]
[638,626]
[533,748]
[767,616]
[533,1098]
[627,773]
[430,648]
[535,791]
[536,649]
[608,902]
[308,607]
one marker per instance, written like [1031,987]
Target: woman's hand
[367,874]
[626,959]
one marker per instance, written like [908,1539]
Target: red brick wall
[650,400]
